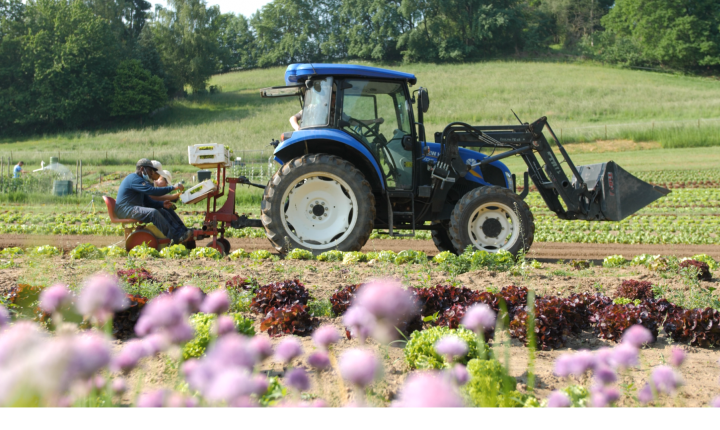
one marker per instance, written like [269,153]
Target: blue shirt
[16,171]
[135,191]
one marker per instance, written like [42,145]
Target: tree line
[65,64]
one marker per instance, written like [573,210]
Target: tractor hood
[300,72]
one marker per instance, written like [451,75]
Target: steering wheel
[369,130]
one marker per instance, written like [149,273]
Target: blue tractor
[361,161]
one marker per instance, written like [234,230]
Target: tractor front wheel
[318,202]
[492,218]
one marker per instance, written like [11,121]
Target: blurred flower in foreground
[297,379]
[216,302]
[4,317]
[451,347]
[52,298]
[677,356]
[428,390]
[288,349]
[479,317]
[558,399]
[325,336]
[224,325]
[637,336]
[389,303]
[360,367]
[101,297]
[319,360]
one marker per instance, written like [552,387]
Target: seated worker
[133,201]
[295,119]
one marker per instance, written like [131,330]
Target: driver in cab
[295,119]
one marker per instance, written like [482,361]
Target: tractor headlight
[509,179]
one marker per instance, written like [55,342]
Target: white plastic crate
[198,192]
[205,155]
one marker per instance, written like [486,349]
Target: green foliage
[353,257]
[411,257]
[45,251]
[85,251]
[238,254]
[299,254]
[579,396]
[626,301]
[614,261]
[490,386]
[444,257]
[12,252]
[144,252]
[137,92]
[174,251]
[260,254]
[274,394]
[704,258]
[205,252]
[696,297]
[330,256]
[113,251]
[420,349]
[204,326]
[320,308]
[386,256]
[643,259]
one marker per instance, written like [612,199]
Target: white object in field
[208,155]
[198,192]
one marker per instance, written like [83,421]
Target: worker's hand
[167,204]
[179,187]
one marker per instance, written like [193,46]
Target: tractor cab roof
[296,73]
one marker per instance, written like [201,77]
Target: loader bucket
[621,194]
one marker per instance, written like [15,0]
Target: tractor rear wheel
[492,218]
[441,236]
[318,202]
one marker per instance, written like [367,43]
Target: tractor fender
[475,174]
[333,142]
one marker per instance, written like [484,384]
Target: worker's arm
[142,187]
[148,202]
[167,197]
[294,121]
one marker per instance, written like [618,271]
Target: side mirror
[407,143]
[423,99]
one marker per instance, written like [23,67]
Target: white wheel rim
[319,210]
[491,216]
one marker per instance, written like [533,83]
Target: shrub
[420,349]
[342,298]
[299,254]
[11,252]
[279,294]
[330,256]
[143,251]
[490,386]
[203,324]
[354,257]
[85,251]
[45,251]
[238,254]
[174,251]
[703,270]
[614,261]
[260,254]
[238,282]
[205,252]
[135,276]
[612,321]
[292,319]
[632,289]
[696,327]
[124,321]
[704,258]
[113,251]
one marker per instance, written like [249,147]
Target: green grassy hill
[583,102]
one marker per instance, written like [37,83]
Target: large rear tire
[492,218]
[441,237]
[318,202]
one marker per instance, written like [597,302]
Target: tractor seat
[110,203]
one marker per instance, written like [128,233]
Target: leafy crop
[113,251]
[703,270]
[12,252]
[353,257]
[279,294]
[420,349]
[441,297]
[411,257]
[143,251]
[696,327]
[45,251]
[704,258]
[614,261]
[644,260]
[490,386]
[635,290]
[238,282]
[553,316]
[626,301]
[85,251]
[135,276]
[239,254]
[174,251]
[342,298]
[320,308]
[203,324]
[444,257]
[260,254]
[330,256]
[612,321]
[205,252]
[288,320]
[515,298]
[299,254]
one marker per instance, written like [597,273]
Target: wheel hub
[318,208]
[492,227]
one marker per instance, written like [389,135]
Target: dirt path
[539,250]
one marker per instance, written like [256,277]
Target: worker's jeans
[167,221]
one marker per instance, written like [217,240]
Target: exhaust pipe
[620,194]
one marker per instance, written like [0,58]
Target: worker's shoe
[188,236]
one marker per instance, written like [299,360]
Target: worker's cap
[144,162]
[156,164]
[165,174]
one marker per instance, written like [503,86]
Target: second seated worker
[133,201]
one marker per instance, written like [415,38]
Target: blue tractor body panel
[339,136]
[300,72]
[474,175]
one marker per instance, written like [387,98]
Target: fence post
[81,178]
[77,176]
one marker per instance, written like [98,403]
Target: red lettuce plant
[551,322]
[702,268]
[342,299]
[238,282]
[635,290]
[279,294]
[135,276]
[515,298]
[291,319]
[442,297]
[697,327]
[612,320]
[453,316]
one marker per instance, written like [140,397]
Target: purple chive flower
[298,379]
[558,399]
[479,317]
[460,374]
[562,365]
[181,333]
[601,396]
[101,296]
[359,367]
[190,297]
[360,321]
[715,403]
[645,395]
[118,386]
[189,366]
[153,399]
[225,325]
[161,313]
[428,390]
[51,299]
[603,357]
[325,336]
[288,349]
[677,356]
[233,350]
[4,317]
[665,379]
[156,343]
[637,336]
[385,300]
[91,353]
[216,302]
[130,356]
[260,385]
[574,364]
[230,385]
[605,375]
[625,355]
[262,346]
[450,347]
[319,360]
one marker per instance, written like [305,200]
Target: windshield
[316,111]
